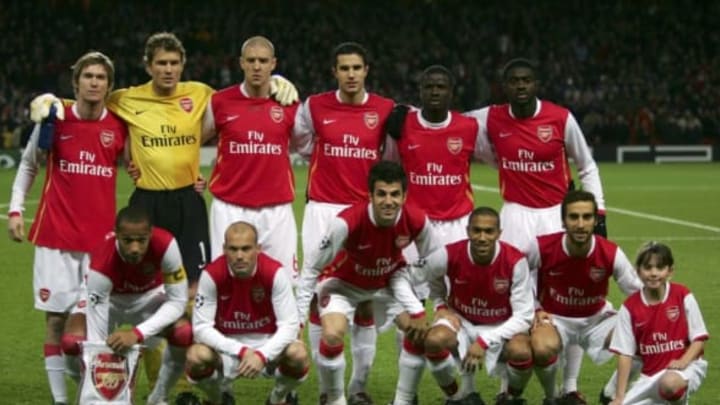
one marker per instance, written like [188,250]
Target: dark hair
[387,171]
[163,40]
[661,251]
[133,214]
[519,62]
[574,196]
[438,69]
[485,211]
[348,48]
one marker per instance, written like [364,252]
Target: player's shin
[55,369]
[411,365]
[443,368]
[546,373]
[286,380]
[173,361]
[608,390]
[363,343]
[519,373]
[574,356]
[331,368]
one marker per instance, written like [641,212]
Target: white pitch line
[638,214]
[669,238]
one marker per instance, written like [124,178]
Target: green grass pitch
[675,203]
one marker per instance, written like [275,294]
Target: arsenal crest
[545,132]
[277,114]
[324,300]
[455,145]
[109,374]
[371,119]
[501,285]
[597,274]
[44,294]
[186,104]
[107,138]
[402,241]
[673,313]
[257,293]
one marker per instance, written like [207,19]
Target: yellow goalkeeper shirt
[165,132]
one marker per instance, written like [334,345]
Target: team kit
[202,296]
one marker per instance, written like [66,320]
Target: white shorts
[589,333]
[521,225]
[337,296]
[316,220]
[644,391]
[231,362]
[445,232]
[277,230]
[468,334]
[132,309]
[58,277]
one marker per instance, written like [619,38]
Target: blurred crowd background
[633,72]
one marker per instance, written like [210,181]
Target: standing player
[253,179]
[361,260]
[84,154]
[137,277]
[662,324]
[573,272]
[530,141]
[487,314]
[347,126]
[245,322]
[435,146]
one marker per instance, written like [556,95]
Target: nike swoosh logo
[232,117]
[461,281]
[65,137]
[138,112]
[363,247]
[326,122]
[224,297]
[505,134]
[411,147]
[555,273]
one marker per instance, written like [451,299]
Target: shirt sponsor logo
[371,119]
[186,104]
[673,313]
[110,374]
[107,138]
[545,132]
[455,145]
[277,114]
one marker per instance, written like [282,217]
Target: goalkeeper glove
[396,120]
[282,90]
[40,107]
[47,129]
[601,226]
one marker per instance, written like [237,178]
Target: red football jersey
[531,155]
[245,305]
[574,286]
[662,331]
[481,293]
[372,253]
[253,164]
[77,207]
[347,142]
[437,163]
[133,278]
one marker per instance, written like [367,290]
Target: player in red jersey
[347,128]
[573,272]
[486,316]
[86,147]
[245,321]
[531,141]
[435,146]
[253,179]
[360,258]
[661,324]
[137,277]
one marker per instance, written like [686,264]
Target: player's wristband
[482,343]
[241,353]
[418,315]
[13,214]
[138,334]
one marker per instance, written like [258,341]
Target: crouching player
[487,313]
[137,277]
[662,324]
[246,322]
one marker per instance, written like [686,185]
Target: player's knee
[438,338]
[70,344]
[545,349]
[518,351]
[296,354]
[181,335]
[672,386]
[332,348]
[199,356]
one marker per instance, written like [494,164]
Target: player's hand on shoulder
[283,90]
[40,107]
[16,227]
